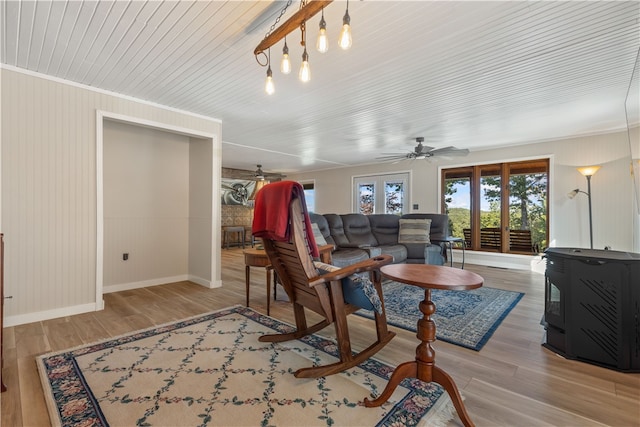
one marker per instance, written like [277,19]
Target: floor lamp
[587,171]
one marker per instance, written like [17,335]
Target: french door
[381,194]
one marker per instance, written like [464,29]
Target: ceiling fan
[424,152]
[260,175]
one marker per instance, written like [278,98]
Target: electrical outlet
[415,206]
[125,257]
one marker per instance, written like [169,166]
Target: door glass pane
[393,197]
[457,204]
[366,198]
[490,200]
[527,211]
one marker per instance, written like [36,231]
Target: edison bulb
[345,40]
[305,71]
[322,43]
[269,87]
[285,65]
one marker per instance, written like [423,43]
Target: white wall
[201,205]
[49,194]
[146,205]
[612,193]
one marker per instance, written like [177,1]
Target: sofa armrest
[433,255]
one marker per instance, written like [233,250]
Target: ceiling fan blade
[274,175]
[395,156]
[425,149]
[449,151]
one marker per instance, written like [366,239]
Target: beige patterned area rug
[212,370]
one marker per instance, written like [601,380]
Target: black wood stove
[592,306]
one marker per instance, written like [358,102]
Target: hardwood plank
[10,403]
[488,405]
[34,410]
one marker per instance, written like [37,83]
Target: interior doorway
[157,214]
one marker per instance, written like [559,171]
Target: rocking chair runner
[321,293]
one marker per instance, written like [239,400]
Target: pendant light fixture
[345,40]
[285,65]
[305,71]
[322,44]
[269,86]
[277,32]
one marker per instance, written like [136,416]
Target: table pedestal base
[423,367]
[436,375]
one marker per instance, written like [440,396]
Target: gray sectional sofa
[357,237]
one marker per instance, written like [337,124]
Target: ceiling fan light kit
[308,8]
[257,175]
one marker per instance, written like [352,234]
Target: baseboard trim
[512,261]
[39,316]
[107,289]
[204,282]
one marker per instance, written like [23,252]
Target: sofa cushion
[337,230]
[358,230]
[385,228]
[414,231]
[398,252]
[345,257]
[357,288]
[323,226]
[317,234]
[439,224]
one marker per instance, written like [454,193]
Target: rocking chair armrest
[367,265]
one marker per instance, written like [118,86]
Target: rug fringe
[440,414]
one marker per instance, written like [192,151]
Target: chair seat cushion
[357,288]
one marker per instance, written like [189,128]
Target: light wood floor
[512,381]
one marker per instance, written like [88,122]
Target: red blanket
[271,213]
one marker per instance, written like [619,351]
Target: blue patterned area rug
[464,318]
[212,370]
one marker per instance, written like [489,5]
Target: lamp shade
[573,193]
[588,170]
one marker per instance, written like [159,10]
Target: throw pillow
[357,288]
[317,234]
[414,231]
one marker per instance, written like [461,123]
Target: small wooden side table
[257,258]
[423,367]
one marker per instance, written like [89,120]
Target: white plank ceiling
[469,74]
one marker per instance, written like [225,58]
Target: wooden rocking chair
[321,293]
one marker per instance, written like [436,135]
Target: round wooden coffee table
[423,367]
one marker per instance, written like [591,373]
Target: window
[381,194]
[498,207]
[309,195]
